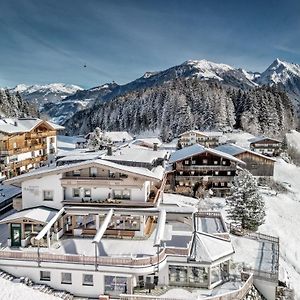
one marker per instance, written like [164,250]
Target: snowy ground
[283,220]
[13,291]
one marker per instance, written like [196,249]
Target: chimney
[109,149]
[155,146]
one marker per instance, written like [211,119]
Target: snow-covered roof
[263,138]
[16,125]
[38,214]
[136,153]
[207,248]
[90,163]
[236,150]
[211,224]
[8,192]
[204,133]
[118,136]
[147,141]
[55,126]
[197,149]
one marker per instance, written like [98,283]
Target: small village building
[197,168]
[257,164]
[26,143]
[7,194]
[208,139]
[265,145]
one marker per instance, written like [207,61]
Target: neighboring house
[26,143]
[256,163]
[7,194]
[111,137]
[206,138]
[196,167]
[265,145]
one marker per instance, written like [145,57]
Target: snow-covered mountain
[286,76]
[40,94]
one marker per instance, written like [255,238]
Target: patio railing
[232,295]
[92,260]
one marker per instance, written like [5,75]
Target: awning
[41,215]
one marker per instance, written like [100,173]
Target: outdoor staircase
[39,287]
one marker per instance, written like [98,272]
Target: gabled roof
[41,215]
[262,138]
[197,149]
[236,150]
[17,125]
[204,133]
[85,164]
[207,248]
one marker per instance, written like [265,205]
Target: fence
[232,295]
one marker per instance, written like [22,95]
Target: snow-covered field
[13,291]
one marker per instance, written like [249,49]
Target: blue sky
[44,41]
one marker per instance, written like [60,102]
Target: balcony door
[15,235]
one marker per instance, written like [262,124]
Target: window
[228,173]
[204,161]
[76,192]
[216,172]
[76,173]
[45,276]
[193,162]
[126,194]
[28,230]
[119,194]
[186,162]
[93,172]
[87,192]
[222,183]
[87,279]
[215,162]
[115,285]
[224,162]
[48,195]
[66,278]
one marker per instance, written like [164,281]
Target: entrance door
[15,235]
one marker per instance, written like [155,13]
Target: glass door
[15,235]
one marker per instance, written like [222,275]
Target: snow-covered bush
[245,205]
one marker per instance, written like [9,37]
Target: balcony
[211,178]
[205,168]
[88,180]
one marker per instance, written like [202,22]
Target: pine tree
[245,205]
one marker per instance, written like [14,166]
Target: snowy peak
[280,72]
[40,94]
[47,88]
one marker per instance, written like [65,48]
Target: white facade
[33,192]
